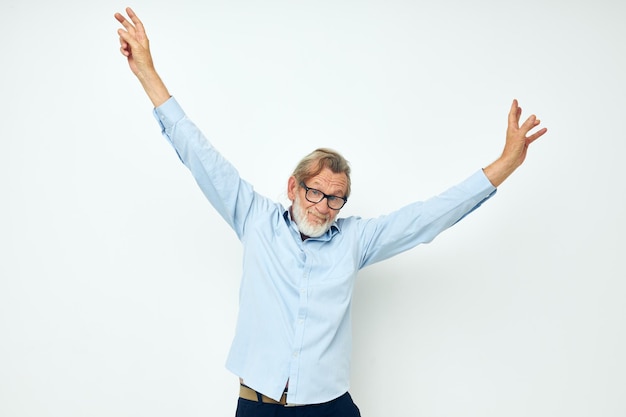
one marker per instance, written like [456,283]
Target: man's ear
[292,187]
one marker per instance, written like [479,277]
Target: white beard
[304,225]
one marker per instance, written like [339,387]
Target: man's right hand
[134,45]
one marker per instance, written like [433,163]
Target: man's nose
[322,206]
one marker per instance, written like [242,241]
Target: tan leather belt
[248,393]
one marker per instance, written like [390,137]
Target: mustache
[319,216]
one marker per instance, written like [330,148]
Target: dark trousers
[339,407]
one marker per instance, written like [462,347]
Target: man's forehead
[329,182]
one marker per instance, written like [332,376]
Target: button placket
[299,325]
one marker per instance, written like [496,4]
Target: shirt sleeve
[218,179]
[422,221]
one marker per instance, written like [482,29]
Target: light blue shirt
[295,296]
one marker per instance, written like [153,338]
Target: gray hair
[316,161]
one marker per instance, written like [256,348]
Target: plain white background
[118,281]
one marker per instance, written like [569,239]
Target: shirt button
[295,354]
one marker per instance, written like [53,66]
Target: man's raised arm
[134,45]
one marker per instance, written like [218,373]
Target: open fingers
[136,21]
[134,27]
[130,29]
[536,135]
[531,122]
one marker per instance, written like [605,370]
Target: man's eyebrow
[338,192]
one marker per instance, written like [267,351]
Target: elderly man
[292,345]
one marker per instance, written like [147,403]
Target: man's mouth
[319,219]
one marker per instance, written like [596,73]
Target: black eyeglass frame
[324,196]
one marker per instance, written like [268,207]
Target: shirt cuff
[169,113]
[480,180]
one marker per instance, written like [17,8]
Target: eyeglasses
[315,196]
